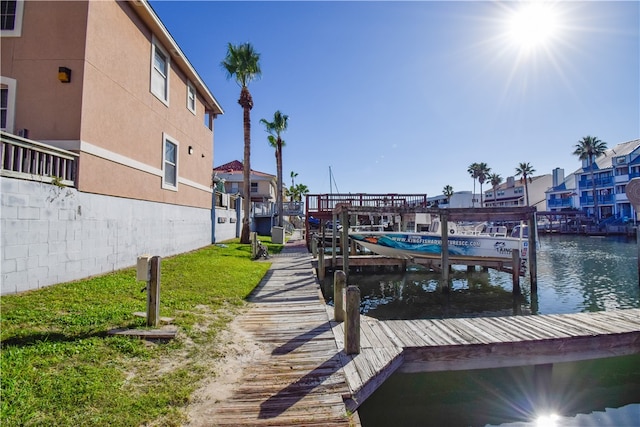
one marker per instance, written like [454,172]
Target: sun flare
[533,25]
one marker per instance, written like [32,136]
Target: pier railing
[26,159]
[328,202]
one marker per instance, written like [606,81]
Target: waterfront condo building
[107,141]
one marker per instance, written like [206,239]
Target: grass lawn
[59,367]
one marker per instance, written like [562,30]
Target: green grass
[59,367]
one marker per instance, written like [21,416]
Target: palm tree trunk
[279,190]
[247,103]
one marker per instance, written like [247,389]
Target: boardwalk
[301,382]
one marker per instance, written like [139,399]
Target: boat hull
[427,245]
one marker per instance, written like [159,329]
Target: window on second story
[254,187]
[170,163]
[11,17]
[160,73]
[191,98]
[7,103]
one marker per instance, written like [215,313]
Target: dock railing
[26,159]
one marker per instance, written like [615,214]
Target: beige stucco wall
[107,112]
[53,35]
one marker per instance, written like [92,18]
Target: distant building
[562,195]
[459,199]
[612,172]
[512,192]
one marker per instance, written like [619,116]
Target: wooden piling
[352,321]
[339,284]
[531,253]
[444,225]
[153,293]
[515,271]
[321,266]
[344,240]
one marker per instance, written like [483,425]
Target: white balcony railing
[26,159]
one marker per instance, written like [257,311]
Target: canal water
[575,274]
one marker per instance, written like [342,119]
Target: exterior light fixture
[190,150]
[64,74]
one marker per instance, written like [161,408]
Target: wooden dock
[482,343]
[307,378]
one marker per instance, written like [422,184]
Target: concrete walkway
[300,381]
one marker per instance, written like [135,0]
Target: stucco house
[103,86]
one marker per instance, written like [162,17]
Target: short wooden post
[352,321]
[515,271]
[321,267]
[314,247]
[339,284]
[153,293]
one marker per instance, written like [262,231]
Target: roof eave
[151,19]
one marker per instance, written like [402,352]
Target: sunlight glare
[533,25]
[550,420]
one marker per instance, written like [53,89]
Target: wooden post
[153,293]
[515,271]
[314,247]
[339,284]
[531,253]
[321,267]
[444,233]
[344,239]
[352,321]
[254,244]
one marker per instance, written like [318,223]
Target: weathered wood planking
[298,379]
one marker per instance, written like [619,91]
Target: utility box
[143,268]
[277,235]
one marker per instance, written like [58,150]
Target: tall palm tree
[275,128]
[243,64]
[588,148]
[293,177]
[495,180]
[473,171]
[448,192]
[483,172]
[525,171]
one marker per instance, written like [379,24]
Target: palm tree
[293,176]
[483,172]
[495,180]
[275,128]
[473,171]
[588,148]
[448,192]
[242,64]
[525,170]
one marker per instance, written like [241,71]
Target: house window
[254,187]
[7,103]
[159,73]
[191,98]
[170,163]
[11,17]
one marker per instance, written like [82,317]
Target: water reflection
[602,392]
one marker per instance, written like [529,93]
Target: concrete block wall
[52,235]
[227,224]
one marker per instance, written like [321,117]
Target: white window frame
[155,46]
[17,25]
[168,139]
[192,97]
[10,85]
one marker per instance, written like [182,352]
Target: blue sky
[401,97]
